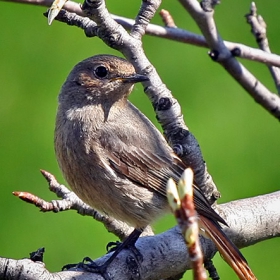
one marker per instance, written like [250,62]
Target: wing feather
[153,171]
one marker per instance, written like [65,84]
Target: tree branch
[220,53]
[70,201]
[258,26]
[174,34]
[165,254]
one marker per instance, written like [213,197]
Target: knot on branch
[236,52]
[178,149]
[209,5]
[181,134]
[91,4]
[133,267]
[214,54]
[163,104]
[112,39]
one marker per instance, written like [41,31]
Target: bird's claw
[112,246]
[89,265]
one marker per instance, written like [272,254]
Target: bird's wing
[151,170]
[143,168]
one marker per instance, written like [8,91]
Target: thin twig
[167,19]
[72,19]
[70,201]
[258,28]
[174,34]
[180,199]
[145,14]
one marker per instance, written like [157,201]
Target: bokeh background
[239,139]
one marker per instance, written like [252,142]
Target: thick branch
[251,220]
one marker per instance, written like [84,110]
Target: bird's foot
[89,265]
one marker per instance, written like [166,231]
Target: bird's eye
[101,72]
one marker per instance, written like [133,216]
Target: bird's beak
[136,78]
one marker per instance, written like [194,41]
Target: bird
[117,161]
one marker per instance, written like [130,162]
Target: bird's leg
[129,243]
[213,273]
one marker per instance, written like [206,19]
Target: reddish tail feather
[227,249]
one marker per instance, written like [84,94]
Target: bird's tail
[227,249]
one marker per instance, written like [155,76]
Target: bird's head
[99,79]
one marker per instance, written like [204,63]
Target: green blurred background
[239,139]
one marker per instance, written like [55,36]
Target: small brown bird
[115,159]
